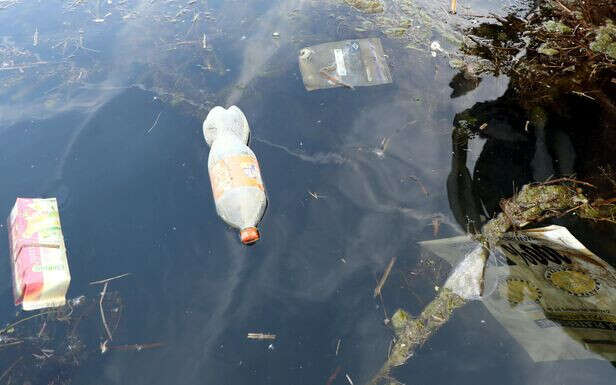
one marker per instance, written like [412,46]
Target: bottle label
[235,171]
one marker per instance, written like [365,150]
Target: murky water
[103,110]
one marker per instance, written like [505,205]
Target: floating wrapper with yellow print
[553,295]
[239,193]
[38,254]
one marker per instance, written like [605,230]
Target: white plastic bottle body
[237,186]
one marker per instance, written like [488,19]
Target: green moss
[545,49]
[395,31]
[399,320]
[605,40]
[367,6]
[556,27]
[457,63]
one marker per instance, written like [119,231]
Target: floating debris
[435,47]
[347,63]
[379,287]
[261,336]
[333,376]
[316,195]
[349,379]
[534,203]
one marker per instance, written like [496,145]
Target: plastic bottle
[239,192]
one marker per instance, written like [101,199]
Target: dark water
[135,196]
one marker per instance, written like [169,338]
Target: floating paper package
[38,254]
[347,63]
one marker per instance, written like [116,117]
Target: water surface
[106,116]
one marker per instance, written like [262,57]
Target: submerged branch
[415,332]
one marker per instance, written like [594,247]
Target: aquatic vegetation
[551,51]
[556,27]
[545,49]
[413,22]
[605,40]
[56,339]
[367,6]
[412,333]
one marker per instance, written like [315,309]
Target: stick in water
[333,376]
[377,290]
[349,379]
[100,305]
[109,279]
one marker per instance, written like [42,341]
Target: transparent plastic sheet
[552,294]
[347,63]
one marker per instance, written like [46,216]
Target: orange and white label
[235,171]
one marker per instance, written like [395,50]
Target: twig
[28,65]
[137,347]
[421,185]
[261,336]
[570,210]
[100,306]
[5,5]
[40,333]
[563,7]
[109,279]
[349,379]
[436,225]
[583,94]
[155,123]
[377,290]
[497,17]
[11,344]
[333,376]
[115,327]
[338,346]
[316,195]
[575,181]
[24,320]
[10,368]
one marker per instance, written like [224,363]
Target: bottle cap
[249,235]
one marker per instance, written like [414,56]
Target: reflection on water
[104,112]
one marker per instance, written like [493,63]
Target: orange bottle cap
[249,235]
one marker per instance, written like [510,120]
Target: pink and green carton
[38,254]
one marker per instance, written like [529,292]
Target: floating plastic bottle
[239,192]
